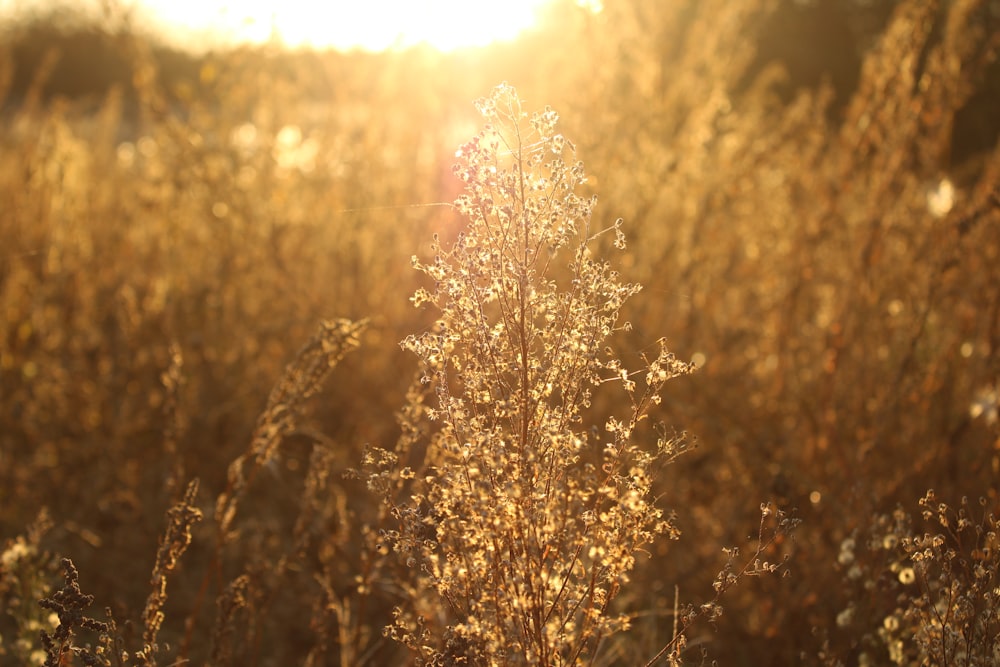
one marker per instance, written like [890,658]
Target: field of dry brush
[206,275]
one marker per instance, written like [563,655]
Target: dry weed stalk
[70,603]
[180,519]
[303,378]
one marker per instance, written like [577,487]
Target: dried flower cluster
[929,597]
[523,522]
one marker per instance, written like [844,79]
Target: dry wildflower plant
[524,521]
[69,604]
[25,574]
[928,597]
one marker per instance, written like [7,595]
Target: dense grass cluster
[199,461]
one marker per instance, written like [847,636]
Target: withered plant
[924,591]
[524,521]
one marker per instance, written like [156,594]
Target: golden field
[206,275]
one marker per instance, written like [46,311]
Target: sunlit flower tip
[941,198]
[15,552]
[896,651]
[986,405]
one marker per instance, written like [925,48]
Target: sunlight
[375,25]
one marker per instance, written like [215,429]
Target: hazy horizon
[378,25]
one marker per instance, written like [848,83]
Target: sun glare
[373,25]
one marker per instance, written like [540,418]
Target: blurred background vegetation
[810,192]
